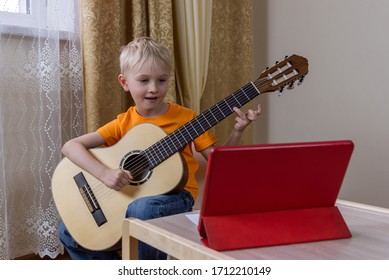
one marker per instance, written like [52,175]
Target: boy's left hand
[243,120]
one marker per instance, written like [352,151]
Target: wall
[345,94]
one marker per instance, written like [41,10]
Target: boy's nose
[152,87]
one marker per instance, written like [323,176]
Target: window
[18,13]
[15,6]
[29,14]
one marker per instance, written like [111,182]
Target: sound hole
[138,165]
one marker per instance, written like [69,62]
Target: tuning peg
[280,90]
[276,62]
[286,56]
[301,80]
[291,85]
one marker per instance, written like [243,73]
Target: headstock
[284,73]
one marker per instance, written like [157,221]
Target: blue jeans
[144,208]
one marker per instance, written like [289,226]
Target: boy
[145,70]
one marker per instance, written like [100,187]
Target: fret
[187,140]
[197,126]
[163,148]
[149,152]
[199,122]
[244,93]
[167,144]
[173,150]
[209,125]
[237,100]
[220,109]
[227,104]
[155,153]
[210,111]
[217,113]
[194,129]
[182,135]
[178,140]
[232,103]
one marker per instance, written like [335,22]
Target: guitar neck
[283,73]
[172,143]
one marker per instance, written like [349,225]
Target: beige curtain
[230,60]
[108,25]
[192,22]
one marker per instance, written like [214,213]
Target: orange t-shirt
[175,117]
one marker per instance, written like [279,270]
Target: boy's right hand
[116,179]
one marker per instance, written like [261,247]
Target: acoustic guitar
[94,213]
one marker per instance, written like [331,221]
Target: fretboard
[175,141]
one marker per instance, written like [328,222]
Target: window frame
[39,17]
[28,19]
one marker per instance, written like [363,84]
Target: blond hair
[141,50]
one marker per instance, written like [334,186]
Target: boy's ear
[123,82]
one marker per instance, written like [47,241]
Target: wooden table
[178,237]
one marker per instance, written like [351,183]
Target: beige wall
[345,94]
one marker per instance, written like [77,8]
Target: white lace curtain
[41,106]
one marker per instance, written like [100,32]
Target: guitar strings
[225,108]
[140,165]
[218,115]
[219,112]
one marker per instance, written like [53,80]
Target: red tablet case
[273,194]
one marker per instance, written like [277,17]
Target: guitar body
[73,209]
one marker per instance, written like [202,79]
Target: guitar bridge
[90,199]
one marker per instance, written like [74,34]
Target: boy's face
[148,86]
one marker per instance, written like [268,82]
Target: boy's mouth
[151,98]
